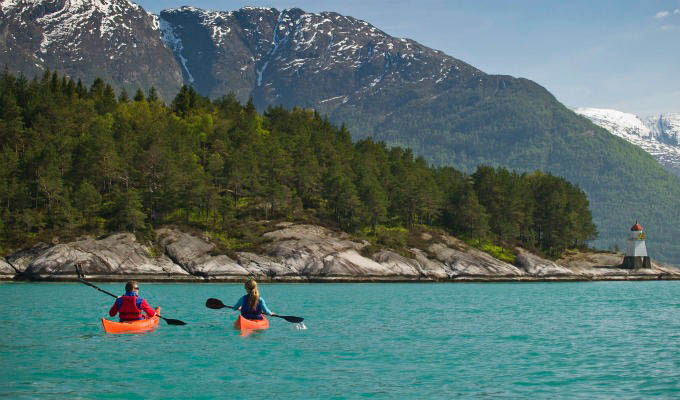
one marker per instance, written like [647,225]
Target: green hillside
[517,124]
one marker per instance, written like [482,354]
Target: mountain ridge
[112,39]
[403,93]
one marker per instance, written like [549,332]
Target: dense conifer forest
[84,160]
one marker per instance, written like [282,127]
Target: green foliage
[80,161]
[498,252]
[394,237]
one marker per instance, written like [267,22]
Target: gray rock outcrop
[6,270]
[22,258]
[299,252]
[540,267]
[463,260]
[314,252]
[115,256]
[193,255]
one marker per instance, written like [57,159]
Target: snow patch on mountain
[617,122]
[666,127]
[216,21]
[8,5]
[175,44]
[656,136]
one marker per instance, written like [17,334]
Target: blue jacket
[252,314]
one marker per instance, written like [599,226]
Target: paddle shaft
[171,322]
[218,304]
[100,289]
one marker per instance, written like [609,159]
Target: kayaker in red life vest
[130,305]
[252,305]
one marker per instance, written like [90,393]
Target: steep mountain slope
[404,93]
[113,39]
[656,136]
[294,58]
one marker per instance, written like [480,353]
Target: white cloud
[668,27]
[676,11]
[661,14]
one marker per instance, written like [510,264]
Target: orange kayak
[141,326]
[251,324]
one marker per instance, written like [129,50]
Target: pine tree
[153,95]
[139,95]
[123,96]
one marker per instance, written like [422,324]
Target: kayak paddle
[170,321]
[216,304]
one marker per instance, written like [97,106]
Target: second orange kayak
[141,326]
[251,324]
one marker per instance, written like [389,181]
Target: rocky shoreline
[305,253]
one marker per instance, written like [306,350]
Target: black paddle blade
[290,318]
[171,321]
[215,304]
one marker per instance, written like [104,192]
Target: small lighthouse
[636,255]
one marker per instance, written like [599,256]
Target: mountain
[292,58]
[113,39]
[657,136]
[401,92]
[406,94]
[666,127]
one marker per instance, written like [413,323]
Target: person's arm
[115,307]
[147,309]
[265,309]
[239,304]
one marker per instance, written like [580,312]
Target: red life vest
[129,310]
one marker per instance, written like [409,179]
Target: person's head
[131,286]
[253,293]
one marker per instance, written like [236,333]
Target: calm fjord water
[544,340]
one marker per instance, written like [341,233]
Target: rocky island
[305,253]
[212,190]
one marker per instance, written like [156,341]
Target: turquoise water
[544,340]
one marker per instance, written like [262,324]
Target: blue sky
[621,54]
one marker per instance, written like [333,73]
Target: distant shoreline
[301,253]
[293,280]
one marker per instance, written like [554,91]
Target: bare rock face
[6,270]
[22,258]
[305,252]
[399,265]
[313,251]
[463,260]
[432,267]
[114,256]
[262,265]
[193,255]
[538,266]
[345,263]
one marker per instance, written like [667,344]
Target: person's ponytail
[253,294]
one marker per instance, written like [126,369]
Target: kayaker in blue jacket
[252,305]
